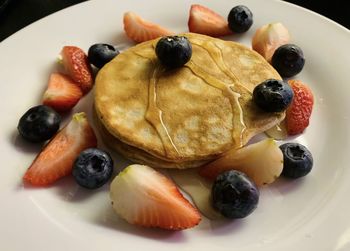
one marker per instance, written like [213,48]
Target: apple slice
[262,162]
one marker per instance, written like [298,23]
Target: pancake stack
[185,117]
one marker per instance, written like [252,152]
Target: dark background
[16,14]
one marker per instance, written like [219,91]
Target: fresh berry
[93,168]
[76,64]
[141,30]
[39,123]
[62,93]
[57,157]
[273,95]
[174,51]
[262,162]
[297,160]
[145,197]
[288,60]
[234,195]
[299,112]
[101,54]
[240,19]
[205,21]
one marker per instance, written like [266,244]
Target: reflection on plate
[307,214]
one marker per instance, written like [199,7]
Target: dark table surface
[16,14]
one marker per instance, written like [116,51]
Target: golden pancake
[187,116]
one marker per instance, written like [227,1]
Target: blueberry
[288,60]
[174,51]
[234,195]
[39,123]
[93,168]
[240,19]
[273,95]
[297,160]
[101,54]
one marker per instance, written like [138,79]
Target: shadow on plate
[106,217]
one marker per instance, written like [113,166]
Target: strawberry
[57,157]
[299,112]
[141,30]
[145,197]
[62,93]
[76,64]
[205,21]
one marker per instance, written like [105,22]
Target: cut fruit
[56,159]
[205,21]
[62,93]
[141,30]
[145,197]
[262,162]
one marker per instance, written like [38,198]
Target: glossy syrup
[154,113]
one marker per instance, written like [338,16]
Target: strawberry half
[205,21]
[62,93]
[299,112]
[76,64]
[141,30]
[145,197]
[56,159]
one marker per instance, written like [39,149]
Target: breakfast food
[268,38]
[297,160]
[100,54]
[288,60]
[299,112]
[273,95]
[177,102]
[77,66]
[205,21]
[62,93]
[185,117]
[56,159]
[240,19]
[92,168]
[234,195]
[262,162]
[39,124]
[140,30]
[145,197]
[173,51]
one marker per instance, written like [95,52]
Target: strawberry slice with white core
[140,30]
[62,93]
[77,66]
[57,157]
[145,197]
[205,21]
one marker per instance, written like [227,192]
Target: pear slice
[262,162]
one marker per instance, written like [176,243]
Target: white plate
[307,214]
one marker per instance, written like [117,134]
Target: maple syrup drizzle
[215,53]
[154,115]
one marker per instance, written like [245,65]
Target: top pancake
[195,112]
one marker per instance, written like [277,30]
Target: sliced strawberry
[141,30]
[56,159]
[145,197]
[299,112]
[205,21]
[62,93]
[76,64]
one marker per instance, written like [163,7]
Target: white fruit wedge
[262,162]
[145,197]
